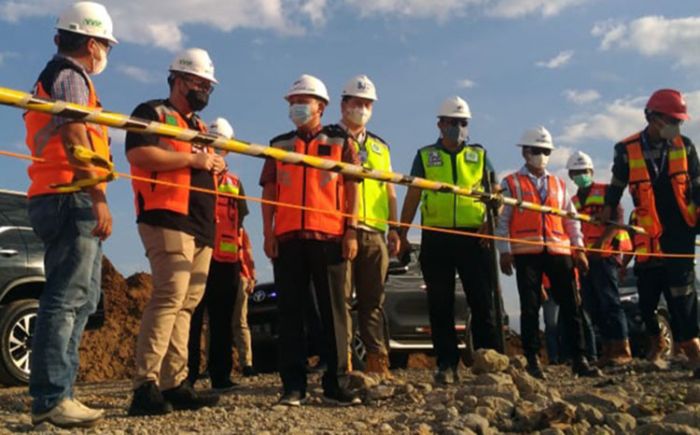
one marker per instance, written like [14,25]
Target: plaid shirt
[70,86]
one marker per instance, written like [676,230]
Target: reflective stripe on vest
[310,187]
[226,235]
[591,233]
[45,142]
[642,191]
[538,227]
[152,196]
[448,210]
[373,207]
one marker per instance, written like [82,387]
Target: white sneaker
[68,414]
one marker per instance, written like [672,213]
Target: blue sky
[582,68]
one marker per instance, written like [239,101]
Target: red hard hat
[669,102]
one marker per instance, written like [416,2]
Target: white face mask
[359,115]
[101,64]
[538,161]
[670,131]
[300,114]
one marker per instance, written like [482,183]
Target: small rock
[440,396]
[426,387]
[518,362]
[508,392]
[485,412]
[280,408]
[469,401]
[666,429]
[552,431]
[493,379]
[423,429]
[558,413]
[475,422]
[360,381]
[526,417]
[386,428]
[685,418]
[489,361]
[359,426]
[603,401]
[380,392]
[501,406]
[620,422]
[693,395]
[527,384]
[590,414]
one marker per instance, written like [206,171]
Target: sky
[581,68]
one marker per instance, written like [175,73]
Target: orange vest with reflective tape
[644,244]
[175,196]
[642,191]
[591,233]
[538,227]
[309,187]
[227,234]
[45,142]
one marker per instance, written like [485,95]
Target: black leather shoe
[534,368]
[585,370]
[185,397]
[249,371]
[148,400]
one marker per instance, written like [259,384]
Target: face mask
[300,114]
[101,64]
[538,161]
[359,115]
[197,99]
[670,131]
[583,180]
[456,133]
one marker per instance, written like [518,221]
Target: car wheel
[666,334]
[17,321]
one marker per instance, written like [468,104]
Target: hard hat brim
[202,76]
[325,100]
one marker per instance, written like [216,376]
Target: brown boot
[378,363]
[691,348]
[657,348]
[620,353]
[604,359]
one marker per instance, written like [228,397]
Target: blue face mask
[456,133]
[300,114]
[583,180]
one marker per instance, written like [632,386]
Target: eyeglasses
[105,44]
[197,83]
[536,151]
[455,121]
[670,120]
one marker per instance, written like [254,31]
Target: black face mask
[197,100]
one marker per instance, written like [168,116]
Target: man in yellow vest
[453,160]
[599,291]
[661,168]
[176,223]
[71,225]
[377,205]
[548,250]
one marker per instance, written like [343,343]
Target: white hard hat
[194,61]
[455,107]
[308,85]
[87,18]
[221,127]
[360,86]
[537,137]
[579,160]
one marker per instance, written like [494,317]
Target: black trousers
[442,256]
[560,270]
[299,263]
[218,300]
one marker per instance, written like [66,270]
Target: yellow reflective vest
[373,208]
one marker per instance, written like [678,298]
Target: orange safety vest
[45,142]
[642,191]
[309,187]
[227,234]
[152,196]
[594,203]
[538,227]
[644,244]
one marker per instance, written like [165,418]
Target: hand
[248,285]
[485,228]
[350,244]
[219,164]
[270,246]
[203,161]
[604,215]
[394,243]
[581,261]
[506,261]
[103,228]
[405,245]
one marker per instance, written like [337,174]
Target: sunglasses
[108,47]
[537,151]
[670,120]
[197,83]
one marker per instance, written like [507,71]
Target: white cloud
[438,9]
[137,73]
[465,83]
[5,56]
[520,8]
[581,97]
[654,36]
[557,61]
[560,156]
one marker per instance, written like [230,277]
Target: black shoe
[249,371]
[292,398]
[585,370]
[225,386]
[341,397]
[444,376]
[455,374]
[534,368]
[148,400]
[185,397]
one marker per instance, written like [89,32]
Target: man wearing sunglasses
[176,225]
[453,160]
[661,168]
[548,250]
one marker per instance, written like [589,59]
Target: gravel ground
[500,397]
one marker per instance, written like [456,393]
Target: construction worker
[223,279]
[176,225]
[377,205]
[308,245]
[241,330]
[533,183]
[71,225]
[660,166]
[452,160]
[599,290]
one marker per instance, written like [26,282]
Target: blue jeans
[72,264]
[600,287]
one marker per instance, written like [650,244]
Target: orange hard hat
[669,102]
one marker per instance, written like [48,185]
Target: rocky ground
[493,396]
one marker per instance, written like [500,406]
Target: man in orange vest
[313,243]
[599,290]
[223,280]
[548,250]
[176,225]
[71,225]
[661,168]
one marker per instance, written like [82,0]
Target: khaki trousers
[179,271]
[241,331]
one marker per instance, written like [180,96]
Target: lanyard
[664,155]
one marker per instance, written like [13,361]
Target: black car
[21,282]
